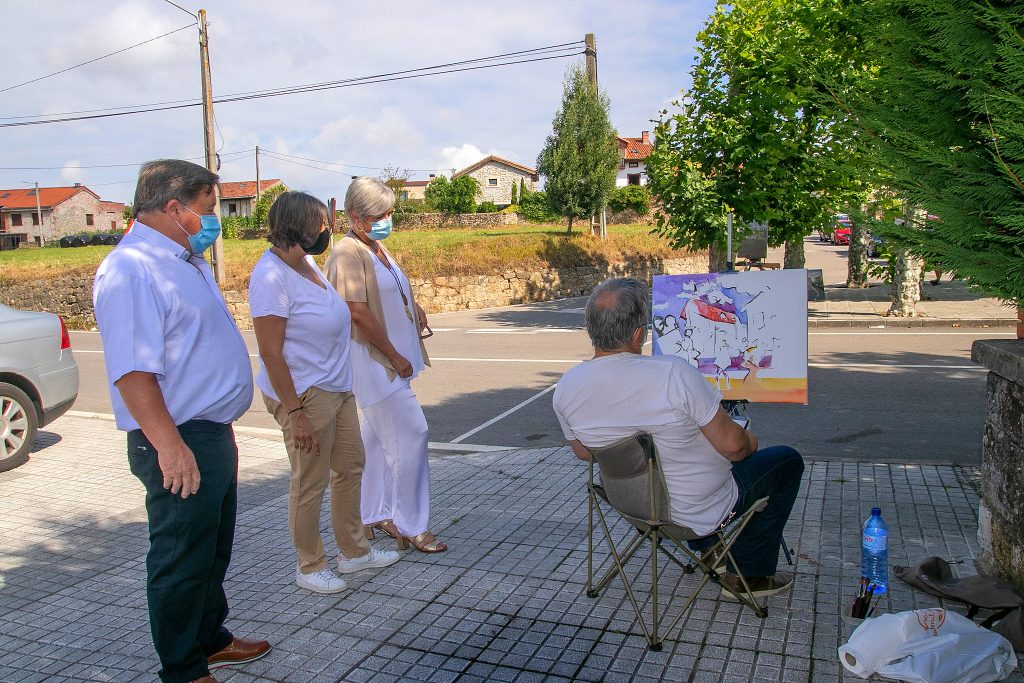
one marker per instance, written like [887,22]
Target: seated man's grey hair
[615,309]
[162,180]
[368,198]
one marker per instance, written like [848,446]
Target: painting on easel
[745,331]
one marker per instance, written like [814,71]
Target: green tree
[759,134]
[452,197]
[632,197]
[522,188]
[395,178]
[944,126]
[581,156]
[258,219]
[515,194]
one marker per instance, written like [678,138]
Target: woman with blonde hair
[303,328]
[387,354]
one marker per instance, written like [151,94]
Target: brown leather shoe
[240,651]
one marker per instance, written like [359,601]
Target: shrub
[533,206]
[632,197]
[486,207]
[233,226]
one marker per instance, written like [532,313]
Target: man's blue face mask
[209,231]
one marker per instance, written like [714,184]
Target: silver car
[38,379]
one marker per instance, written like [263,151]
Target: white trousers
[396,478]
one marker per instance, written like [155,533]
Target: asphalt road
[888,395]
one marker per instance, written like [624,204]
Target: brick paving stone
[505,603]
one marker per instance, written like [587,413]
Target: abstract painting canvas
[746,331]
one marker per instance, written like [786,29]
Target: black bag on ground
[933,576]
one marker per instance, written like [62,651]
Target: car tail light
[65,338]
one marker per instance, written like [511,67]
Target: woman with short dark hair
[303,329]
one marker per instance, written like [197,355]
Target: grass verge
[421,253]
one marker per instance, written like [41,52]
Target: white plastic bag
[928,646]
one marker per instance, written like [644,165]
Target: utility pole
[217,255]
[591,53]
[257,176]
[39,217]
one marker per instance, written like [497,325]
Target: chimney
[431,176]
[78,184]
[645,137]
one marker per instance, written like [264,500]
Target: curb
[882,321]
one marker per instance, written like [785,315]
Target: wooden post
[39,217]
[257,176]
[591,53]
[217,253]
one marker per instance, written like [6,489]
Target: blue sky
[645,50]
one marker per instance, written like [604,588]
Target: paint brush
[867,600]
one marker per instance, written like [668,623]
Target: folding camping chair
[633,485]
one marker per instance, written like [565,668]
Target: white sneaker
[372,560]
[323,581]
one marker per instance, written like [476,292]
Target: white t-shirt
[370,378]
[318,331]
[607,399]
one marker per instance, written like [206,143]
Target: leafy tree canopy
[452,197]
[759,133]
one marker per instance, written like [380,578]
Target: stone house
[60,211]
[496,176]
[239,198]
[633,153]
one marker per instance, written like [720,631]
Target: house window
[403,195]
[113,225]
[492,182]
[35,219]
[633,179]
[15,220]
[88,219]
[232,208]
[634,164]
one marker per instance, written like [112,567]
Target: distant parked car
[841,229]
[875,246]
[38,379]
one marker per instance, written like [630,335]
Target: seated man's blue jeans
[774,472]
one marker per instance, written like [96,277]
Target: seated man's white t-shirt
[607,399]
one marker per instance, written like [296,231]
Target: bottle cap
[876,511]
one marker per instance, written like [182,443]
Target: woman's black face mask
[319,245]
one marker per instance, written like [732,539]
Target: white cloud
[459,157]
[69,174]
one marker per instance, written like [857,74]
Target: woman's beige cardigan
[350,269]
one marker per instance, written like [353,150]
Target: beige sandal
[389,528]
[427,543]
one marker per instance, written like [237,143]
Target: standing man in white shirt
[179,376]
[712,467]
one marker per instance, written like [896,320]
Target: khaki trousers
[340,463]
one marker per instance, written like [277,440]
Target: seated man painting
[713,468]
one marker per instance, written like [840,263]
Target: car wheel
[18,425]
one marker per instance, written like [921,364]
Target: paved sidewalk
[505,603]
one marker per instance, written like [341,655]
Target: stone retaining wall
[1001,505]
[71,297]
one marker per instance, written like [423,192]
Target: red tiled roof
[497,160]
[245,188]
[48,196]
[635,149]
[114,207]
[416,183]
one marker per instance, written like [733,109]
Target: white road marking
[520,330]
[267,431]
[508,412]
[910,334]
[504,360]
[895,365]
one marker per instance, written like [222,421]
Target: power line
[55,73]
[560,48]
[365,80]
[137,163]
[182,9]
[332,163]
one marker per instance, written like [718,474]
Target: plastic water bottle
[874,551]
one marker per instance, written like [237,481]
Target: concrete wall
[1001,508]
[622,177]
[71,297]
